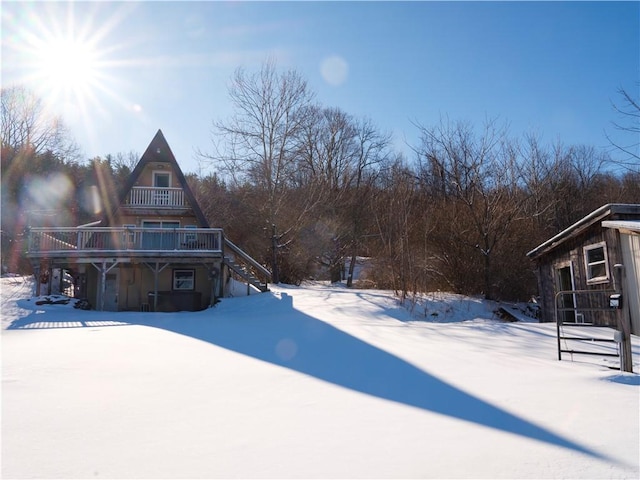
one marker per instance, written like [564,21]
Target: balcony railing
[156,197]
[66,240]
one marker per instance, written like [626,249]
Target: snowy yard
[306,382]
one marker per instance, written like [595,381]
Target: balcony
[69,242]
[156,197]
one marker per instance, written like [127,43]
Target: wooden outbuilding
[597,262]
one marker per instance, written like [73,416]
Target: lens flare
[335,70]
[49,192]
[286,349]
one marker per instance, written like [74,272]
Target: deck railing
[156,197]
[92,239]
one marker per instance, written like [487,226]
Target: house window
[161,179]
[160,224]
[596,263]
[162,182]
[184,279]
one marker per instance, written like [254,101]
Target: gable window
[184,279]
[162,182]
[596,263]
[161,179]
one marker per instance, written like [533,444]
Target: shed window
[183,279]
[596,264]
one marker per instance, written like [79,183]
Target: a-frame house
[154,250]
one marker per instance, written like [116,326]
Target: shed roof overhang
[581,225]
[625,226]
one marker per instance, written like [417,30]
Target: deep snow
[316,381]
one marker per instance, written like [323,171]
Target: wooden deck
[66,242]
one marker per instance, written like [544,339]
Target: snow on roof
[585,222]
[631,225]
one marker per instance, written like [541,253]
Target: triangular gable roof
[158,151]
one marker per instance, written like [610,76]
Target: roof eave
[581,225]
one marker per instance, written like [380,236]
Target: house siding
[136,283]
[130,288]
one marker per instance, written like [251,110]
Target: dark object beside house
[176,301]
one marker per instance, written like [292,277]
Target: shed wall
[572,252]
[630,243]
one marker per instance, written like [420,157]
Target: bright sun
[65,54]
[68,66]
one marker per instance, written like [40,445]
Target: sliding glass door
[160,240]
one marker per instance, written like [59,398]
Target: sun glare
[69,66]
[62,62]
[67,55]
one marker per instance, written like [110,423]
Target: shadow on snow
[291,339]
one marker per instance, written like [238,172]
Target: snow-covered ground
[307,382]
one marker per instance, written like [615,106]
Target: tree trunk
[275,274]
[487,276]
[352,267]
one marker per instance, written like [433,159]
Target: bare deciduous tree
[327,147]
[395,209]
[628,109]
[259,144]
[482,180]
[372,150]
[26,126]
[339,155]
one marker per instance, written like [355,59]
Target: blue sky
[547,67]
